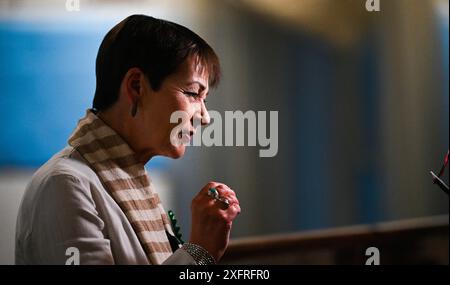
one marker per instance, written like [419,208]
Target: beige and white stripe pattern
[127,181]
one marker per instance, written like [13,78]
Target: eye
[192,94]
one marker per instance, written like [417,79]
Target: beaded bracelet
[200,255]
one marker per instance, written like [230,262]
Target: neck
[123,124]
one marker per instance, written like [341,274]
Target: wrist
[199,254]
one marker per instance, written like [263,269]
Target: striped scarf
[126,179]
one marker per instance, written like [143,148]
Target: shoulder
[66,164]
[61,188]
[65,175]
[67,167]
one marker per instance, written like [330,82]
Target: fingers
[224,192]
[233,211]
[209,185]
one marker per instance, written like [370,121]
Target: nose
[205,115]
[201,116]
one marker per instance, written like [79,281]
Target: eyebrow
[202,87]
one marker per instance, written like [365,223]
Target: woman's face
[184,91]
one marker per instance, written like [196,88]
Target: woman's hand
[211,220]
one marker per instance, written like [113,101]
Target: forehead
[192,70]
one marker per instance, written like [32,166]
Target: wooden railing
[416,241]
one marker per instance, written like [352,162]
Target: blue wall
[48,80]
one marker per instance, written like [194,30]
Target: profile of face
[185,90]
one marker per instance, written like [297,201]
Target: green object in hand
[176,229]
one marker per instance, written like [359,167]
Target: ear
[133,80]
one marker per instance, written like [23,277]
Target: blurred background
[362,99]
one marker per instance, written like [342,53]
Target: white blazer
[65,205]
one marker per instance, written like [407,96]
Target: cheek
[166,128]
[181,103]
[163,109]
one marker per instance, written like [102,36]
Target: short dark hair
[156,46]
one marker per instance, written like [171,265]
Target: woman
[94,198]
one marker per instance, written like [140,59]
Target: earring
[134,109]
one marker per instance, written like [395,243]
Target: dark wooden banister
[415,241]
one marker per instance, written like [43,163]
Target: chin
[177,152]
